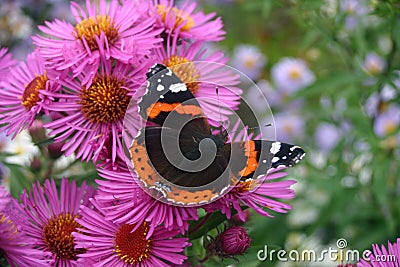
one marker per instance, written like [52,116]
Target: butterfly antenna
[252,128]
[219,107]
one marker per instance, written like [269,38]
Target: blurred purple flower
[391,254]
[258,92]
[355,11]
[374,64]
[327,136]
[291,75]
[289,126]
[249,60]
[387,122]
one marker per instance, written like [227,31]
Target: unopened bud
[55,150]
[37,131]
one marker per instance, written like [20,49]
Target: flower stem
[202,222]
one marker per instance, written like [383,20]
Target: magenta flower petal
[24,94]
[119,244]
[381,256]
[51,218]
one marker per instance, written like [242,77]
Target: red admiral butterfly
[182,158]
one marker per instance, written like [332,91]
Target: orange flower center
[179,15]
[105,101]
[92,27]
[31,93]
[58,238]
[132,247]
[185,70]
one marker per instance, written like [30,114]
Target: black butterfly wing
[157,164]
[167,95]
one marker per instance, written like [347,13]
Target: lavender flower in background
[291,75]
[374,64]
[249,60]
[327,136]
[289,127]
[355,11]
[387,122]
[15,25]
[263,90]
[391,253]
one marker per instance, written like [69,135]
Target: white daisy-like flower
[249,60]
[22,147]
[291,75]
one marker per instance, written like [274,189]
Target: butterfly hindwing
[254,158]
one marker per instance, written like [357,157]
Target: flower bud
[55,150]
[37,131]
[231,242]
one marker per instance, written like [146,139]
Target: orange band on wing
[251,154]
[141,164]
[155,109]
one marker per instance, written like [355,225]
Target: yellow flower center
[179,15]
[294,74]
[132,247]
[58,238]
[105,101]
[390,127]
[185,70]
[30,95]
[92,27]
[249,63]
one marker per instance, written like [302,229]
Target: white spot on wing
[264,161]
[294,147]
[169,73]
[160,87]
[178,87]
[275,159]
[275,147]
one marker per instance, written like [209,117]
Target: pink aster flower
[23,95]
[120,244]
[183,22]
[6,62]
[125,201]
[382,256]
[202,73]
[259,195]
[52,218]
[93,116]
[111,30]
[15,245]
